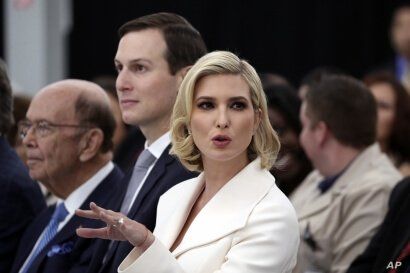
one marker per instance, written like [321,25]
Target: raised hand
[119,227]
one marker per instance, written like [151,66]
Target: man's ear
[321,133]
[90,144]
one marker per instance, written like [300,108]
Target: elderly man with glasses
[67,135]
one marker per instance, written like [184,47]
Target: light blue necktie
[60,213]
[145,160]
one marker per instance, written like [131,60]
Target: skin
[222,106]
[400,32]
[326,153]
[386,101]
[308,139]
[64,154]
[145,87]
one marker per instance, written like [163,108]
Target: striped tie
[60,213]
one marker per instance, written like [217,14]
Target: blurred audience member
[393,108]
[389,249]
[67,134]
[341,204]
[292,165]
[315,76]
[20,197]
[400,39]
[272,79]
[21,104]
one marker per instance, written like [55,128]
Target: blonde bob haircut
[265,142]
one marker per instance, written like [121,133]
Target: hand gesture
[119,227]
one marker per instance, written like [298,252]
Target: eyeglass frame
[49,124]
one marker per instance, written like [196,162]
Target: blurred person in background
[20,197]
[393,111]
[314,76]
[341,204]
[292,165]
[400,40]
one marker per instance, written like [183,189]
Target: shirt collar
[159,145]
[77,197]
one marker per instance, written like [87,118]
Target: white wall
[36,42]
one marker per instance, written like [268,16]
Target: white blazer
[249,226]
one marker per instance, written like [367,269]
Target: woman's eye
[238,105]
[205,105]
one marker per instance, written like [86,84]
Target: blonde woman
[232,217]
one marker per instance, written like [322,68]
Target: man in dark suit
[68,136]
[20,197]
[153,56]
[387,249]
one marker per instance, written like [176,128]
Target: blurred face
[146,89]
[386,109]
[400,32]
[288,137]
[308,138]
[223,119]
[53,156]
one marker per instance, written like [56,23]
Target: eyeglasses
[42,128]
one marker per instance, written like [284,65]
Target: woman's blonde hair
[265,142]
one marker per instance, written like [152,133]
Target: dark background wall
[287,37]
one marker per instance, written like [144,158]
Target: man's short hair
[184,43]
[347,107]
[96,114]
[6,100]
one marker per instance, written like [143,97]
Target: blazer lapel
[227,211]
[169,229]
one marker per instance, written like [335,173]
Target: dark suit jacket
[166,173]
[20,201]
[80,250]
[392,236]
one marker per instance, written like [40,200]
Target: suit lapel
[225,213]
[154,176]
[169,229]
[35,232]
[99,196]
